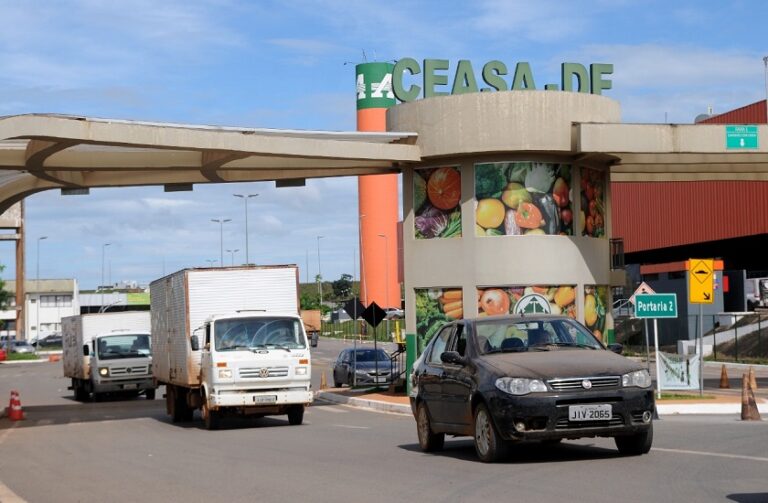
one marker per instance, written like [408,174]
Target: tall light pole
[319,274]
[211,261]
[765,62]
[245,198]
[221,222]
[103,247]
[37,287]
[233,254]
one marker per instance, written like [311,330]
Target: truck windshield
[258,333]
[111,347]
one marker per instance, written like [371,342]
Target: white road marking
[713,454]
[328,408]
[44,422]
[352,427]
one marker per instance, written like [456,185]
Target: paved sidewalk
[721,402]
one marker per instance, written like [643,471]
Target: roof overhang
[40,152]
[670,152]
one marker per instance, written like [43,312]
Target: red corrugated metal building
[665,222]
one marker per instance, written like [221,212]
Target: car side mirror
[194,342]
[452,357]
[616,348]
[86,350]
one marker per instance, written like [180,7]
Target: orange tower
[377,194]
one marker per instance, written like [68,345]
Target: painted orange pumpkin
[444,188]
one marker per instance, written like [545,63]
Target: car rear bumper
[545,416]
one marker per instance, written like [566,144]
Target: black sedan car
[513,378]
[363,366]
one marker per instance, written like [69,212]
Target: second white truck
[230,340]
[108,353]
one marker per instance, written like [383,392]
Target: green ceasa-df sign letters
[495,75]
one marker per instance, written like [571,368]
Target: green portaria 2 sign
[374,85]
[656,305]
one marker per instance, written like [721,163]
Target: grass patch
[685,396]
[21,356]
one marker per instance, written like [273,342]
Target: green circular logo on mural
[533,303]
[374,85]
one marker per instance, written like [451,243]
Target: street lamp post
[103,247]
[37,287]
[245,198]
[221,222]
[319,275]
[211,261]
[233,254]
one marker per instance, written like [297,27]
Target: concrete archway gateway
[42,152]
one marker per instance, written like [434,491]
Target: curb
[670,409]
[376,405]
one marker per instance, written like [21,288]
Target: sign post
[701,289]
[655,306]
[644,288]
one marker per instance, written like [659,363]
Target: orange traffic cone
[724,379]
[749,410]
[14,409]
[752,379]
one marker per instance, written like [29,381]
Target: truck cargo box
[182,301]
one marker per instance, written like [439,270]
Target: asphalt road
[129,451]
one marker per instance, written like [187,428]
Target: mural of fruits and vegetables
[595,300]
[592,203]
[521,198]
[434,308]
[436,202]
[493,301]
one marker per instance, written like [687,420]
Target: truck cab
[255,363]
[120,361]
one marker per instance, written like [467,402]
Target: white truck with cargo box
[231,340]
[108,353]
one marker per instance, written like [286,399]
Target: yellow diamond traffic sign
[701,281]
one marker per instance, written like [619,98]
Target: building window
[56,300]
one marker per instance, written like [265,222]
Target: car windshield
[370,355]
[258,333]
[516,335]
[112,347]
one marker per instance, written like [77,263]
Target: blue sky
[287,65]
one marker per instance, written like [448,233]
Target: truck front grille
[263,372]
[134,370]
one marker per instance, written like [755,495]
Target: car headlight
[225,373]
[639,378]
[520,386]
[301,371]
[103,371]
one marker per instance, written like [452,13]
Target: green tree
[342,287]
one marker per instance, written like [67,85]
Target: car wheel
[635,445]
[295,415]
[428,440]
[489,445]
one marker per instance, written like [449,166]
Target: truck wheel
[210,417]
[81,395]
[295,414]
[176,401]
[150,394]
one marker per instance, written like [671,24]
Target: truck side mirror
[194,342]
[86,350]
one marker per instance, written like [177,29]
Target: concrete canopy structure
[41,152]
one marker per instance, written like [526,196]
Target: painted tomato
[494,301]
[444,188]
